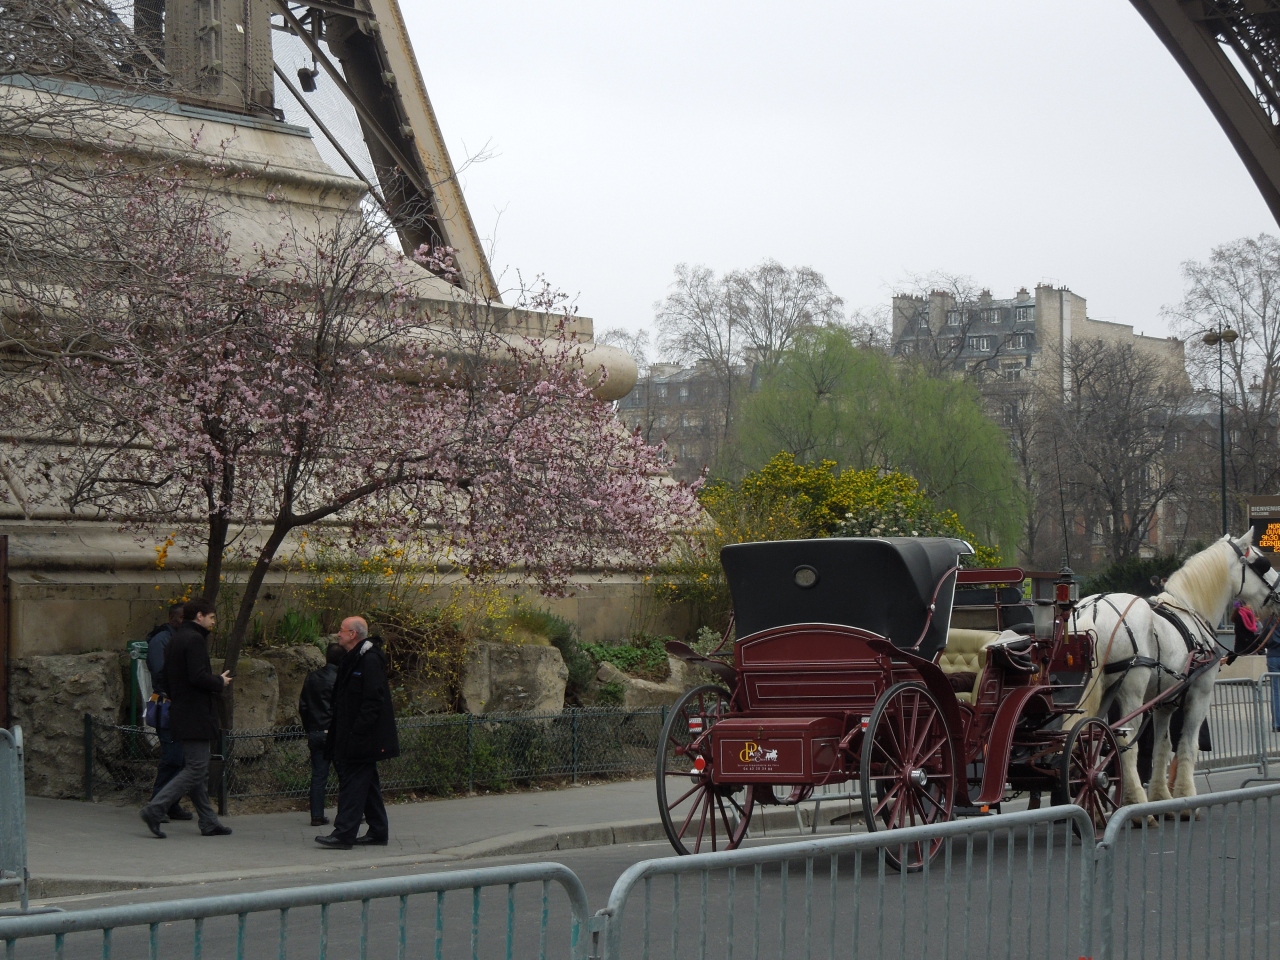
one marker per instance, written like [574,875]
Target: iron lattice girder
[1199,34]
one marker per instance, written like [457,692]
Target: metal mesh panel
[327,102]
[438,755]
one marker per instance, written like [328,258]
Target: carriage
[938,689]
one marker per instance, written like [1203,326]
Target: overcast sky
[1016,141]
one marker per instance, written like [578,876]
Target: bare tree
[1115,439]
[1238,288]
[773,304]
[951,309]
[697,325]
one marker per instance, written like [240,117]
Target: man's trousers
[359,797]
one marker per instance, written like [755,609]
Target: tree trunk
[235,639]
[218,527]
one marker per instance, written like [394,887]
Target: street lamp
[1218,338]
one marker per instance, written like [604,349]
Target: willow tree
[831,399]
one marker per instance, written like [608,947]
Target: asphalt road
[1181,887]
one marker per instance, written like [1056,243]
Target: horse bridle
[1260,565]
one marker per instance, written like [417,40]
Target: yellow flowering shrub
[785,500]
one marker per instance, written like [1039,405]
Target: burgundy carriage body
[826,627]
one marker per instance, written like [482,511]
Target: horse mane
[1201,581]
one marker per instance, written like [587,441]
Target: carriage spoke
[934,800]
[696,787]
[689,816]
[704,803]
[888,796]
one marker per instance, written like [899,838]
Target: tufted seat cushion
[966,652]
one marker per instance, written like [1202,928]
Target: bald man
[361,732]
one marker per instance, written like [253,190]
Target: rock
[256,698]
[637,693]
[49,698]
[504,677]
[292,665]
[608,673]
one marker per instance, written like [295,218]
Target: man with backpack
[171,758]
[315,707]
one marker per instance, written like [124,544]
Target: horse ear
[1247,540]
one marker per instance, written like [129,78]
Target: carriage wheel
[907,774]
[698,815]
[1092,777]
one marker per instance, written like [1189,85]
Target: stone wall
[81,587]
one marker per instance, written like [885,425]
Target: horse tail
[1091,703]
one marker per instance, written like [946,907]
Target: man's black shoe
[368,841]
[177,813]
[333,843]
[216,831]
[152,824]
[319,821]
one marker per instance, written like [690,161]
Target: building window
[1009,414]
[662,391]
[982,344]
[1025,315]
[1019,341]
[1012,371]
[953,318]
[684,392]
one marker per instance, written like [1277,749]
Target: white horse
[1148,653]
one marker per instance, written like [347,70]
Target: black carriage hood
[881,584]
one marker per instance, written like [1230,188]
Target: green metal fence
[439,755]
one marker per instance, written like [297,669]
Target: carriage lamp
[1066,590]
[1042,617]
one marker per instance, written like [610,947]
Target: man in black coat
[193,718]
[315,707]
[362,732]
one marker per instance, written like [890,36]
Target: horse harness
[1200,646]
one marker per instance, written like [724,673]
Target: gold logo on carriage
[752,752]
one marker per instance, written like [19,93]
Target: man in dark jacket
[362,732]
[193,719]
[315,707]
[171,760]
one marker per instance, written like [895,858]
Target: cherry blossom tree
[242,401]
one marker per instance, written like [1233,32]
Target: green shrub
[297,628]
[644,655]
[609,695]
[1132,575]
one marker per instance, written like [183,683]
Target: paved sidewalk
[76,848]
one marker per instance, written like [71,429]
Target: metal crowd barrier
[839,897]
[1177,878]
[239,924]
[1173,883]
[1233,728]
[13,814]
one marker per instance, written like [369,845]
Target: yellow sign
[1270,539]
[748,752]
